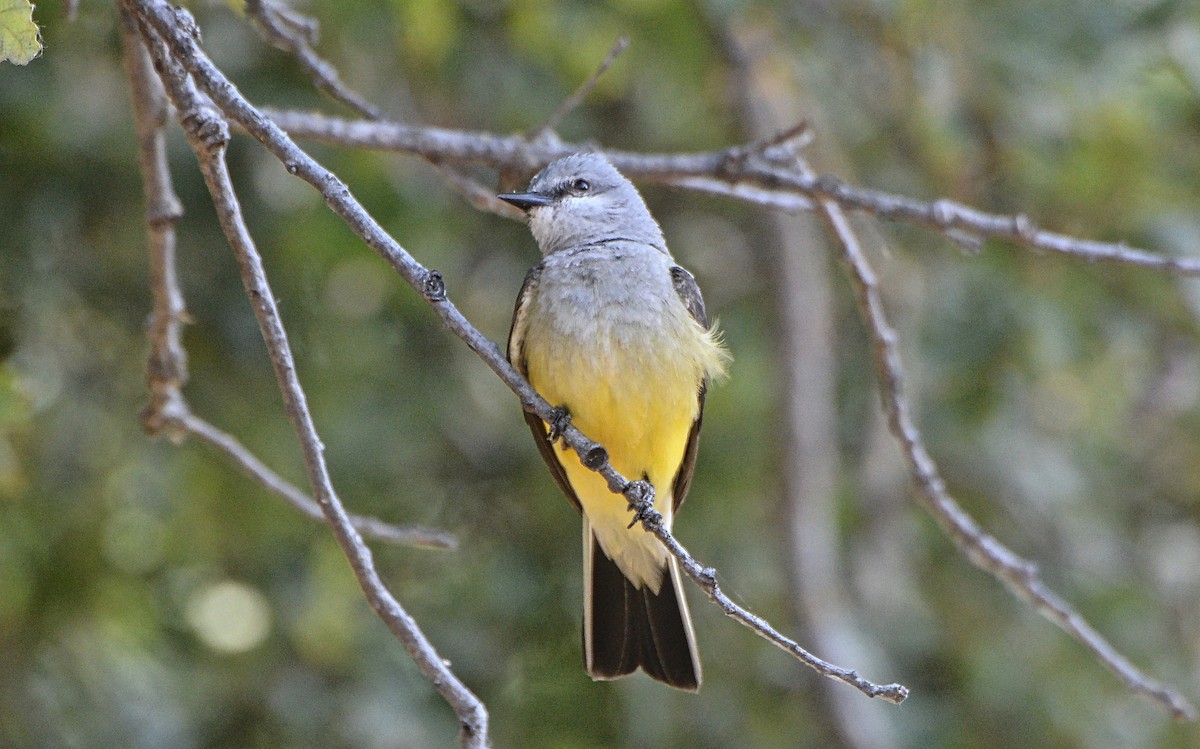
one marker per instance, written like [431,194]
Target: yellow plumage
[637,396]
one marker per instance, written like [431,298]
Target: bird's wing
[689,293]
[516,356]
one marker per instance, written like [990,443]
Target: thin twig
[572,102]
[706,578]
[208,135]
[773,184]
[166,369]
[782,201]
[408,535]
[168,412]
[479,196]
[808,402]
[1018,574]
[178,28]
[295,34]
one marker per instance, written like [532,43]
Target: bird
[613,333]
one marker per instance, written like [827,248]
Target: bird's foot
[560,419]
[641,502]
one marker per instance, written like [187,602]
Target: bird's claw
[641,502]
[560,419]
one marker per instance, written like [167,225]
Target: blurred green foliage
[1061,398]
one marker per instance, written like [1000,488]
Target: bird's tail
[626,626]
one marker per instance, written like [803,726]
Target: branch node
[185,22]
[828,185]
[1027,570]
[434,286]
[782,147]
[638,492]
[1024,227]
[943,213]
[594,458]
[560,418]
[164,213]
[640,495]
[206,126]
[732,163]
[166,415]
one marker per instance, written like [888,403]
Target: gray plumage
[609,208]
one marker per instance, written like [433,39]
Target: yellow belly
[639,402]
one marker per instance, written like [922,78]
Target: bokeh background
[152,596]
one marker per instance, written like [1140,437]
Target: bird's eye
[581,185]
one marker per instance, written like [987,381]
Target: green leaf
[20,41]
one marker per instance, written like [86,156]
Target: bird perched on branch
[614,335]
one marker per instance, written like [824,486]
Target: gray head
[582,199]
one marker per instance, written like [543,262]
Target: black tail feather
[632,627]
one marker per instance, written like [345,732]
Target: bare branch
[787,202]
[208,135]
[408,535]
[641,500]
[296,34]
[168,411]
[166,370]
[740,166]
[178,29]
[1018,574]
[572,102]
[960,221]
[479,196]
[808,404]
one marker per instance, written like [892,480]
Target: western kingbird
[611,331]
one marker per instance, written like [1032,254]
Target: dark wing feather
[689,293]
[683,478]
[516,357]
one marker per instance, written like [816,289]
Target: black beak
[526,200]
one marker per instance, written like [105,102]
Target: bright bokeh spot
[229,616]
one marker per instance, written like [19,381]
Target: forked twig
[166,370]
[745,176]
[1019,575]
[572,102]
[370,527]
[208,135]
[295,34]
